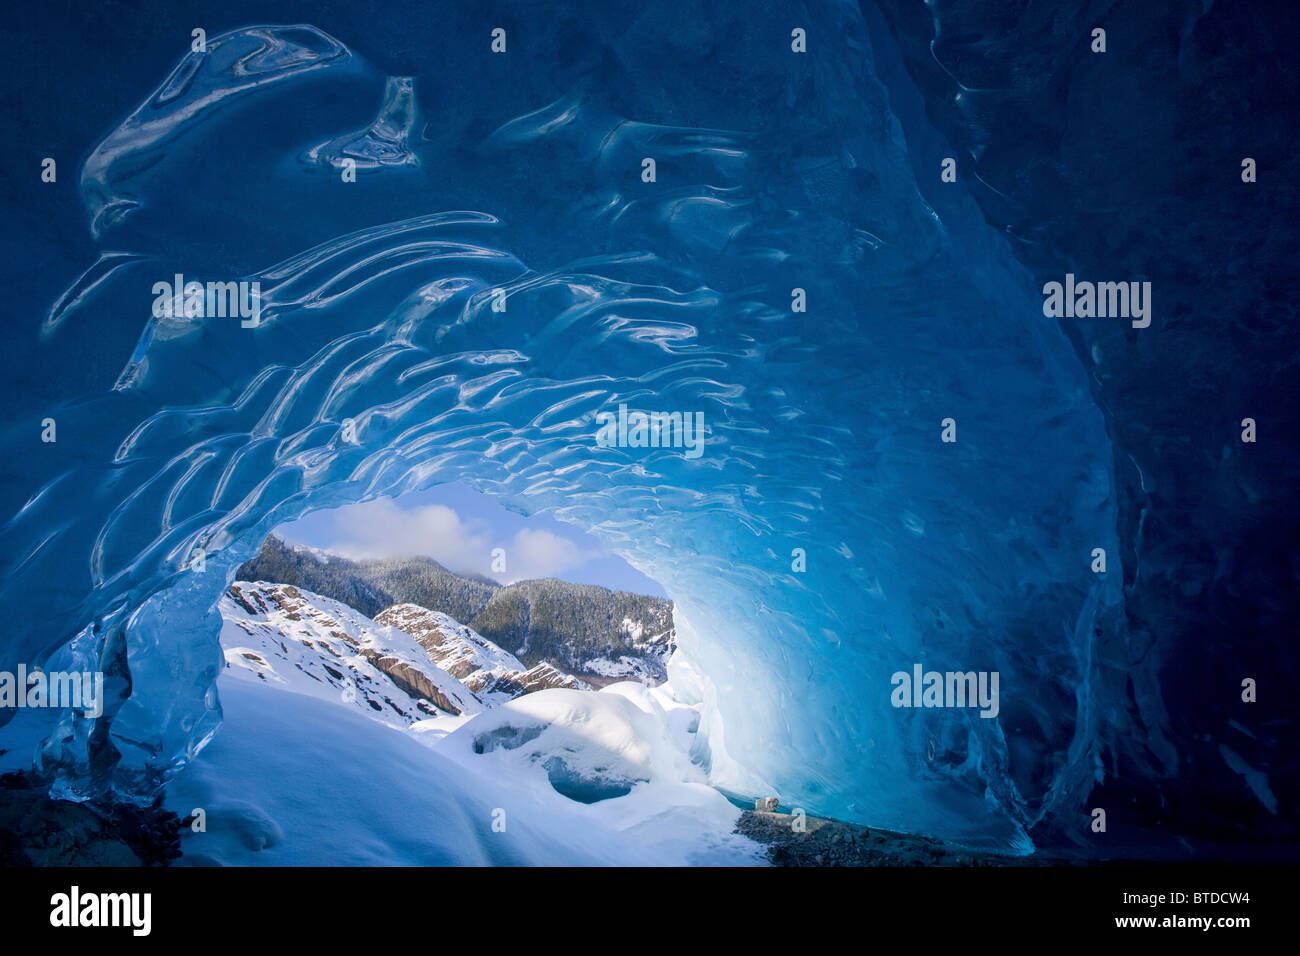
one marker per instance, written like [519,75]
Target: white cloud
[542,554]
[382,529]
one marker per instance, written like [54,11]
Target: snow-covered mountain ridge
[586,630]
[410,664]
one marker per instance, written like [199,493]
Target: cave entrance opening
[531,587]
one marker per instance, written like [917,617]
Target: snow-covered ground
[311,769]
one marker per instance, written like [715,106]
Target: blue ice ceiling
[381,366]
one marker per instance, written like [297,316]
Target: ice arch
[824,425]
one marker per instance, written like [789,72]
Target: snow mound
[588,747]
[296,780]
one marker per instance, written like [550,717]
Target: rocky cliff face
[541,677]
[281,633]
[407,664]
[489,671]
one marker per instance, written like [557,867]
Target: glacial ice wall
[1131,164]
[499,273]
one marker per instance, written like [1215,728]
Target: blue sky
[459,528]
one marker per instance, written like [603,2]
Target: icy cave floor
[559,777]
[297,780]
[326,759]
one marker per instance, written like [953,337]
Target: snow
[294,780]
[597,741]
[301,775]
[297,780]
[616,760]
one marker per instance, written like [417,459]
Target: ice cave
[905,463]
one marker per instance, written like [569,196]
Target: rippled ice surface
[522,173]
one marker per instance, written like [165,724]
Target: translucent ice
[465,314]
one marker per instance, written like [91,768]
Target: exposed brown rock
[410,680]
